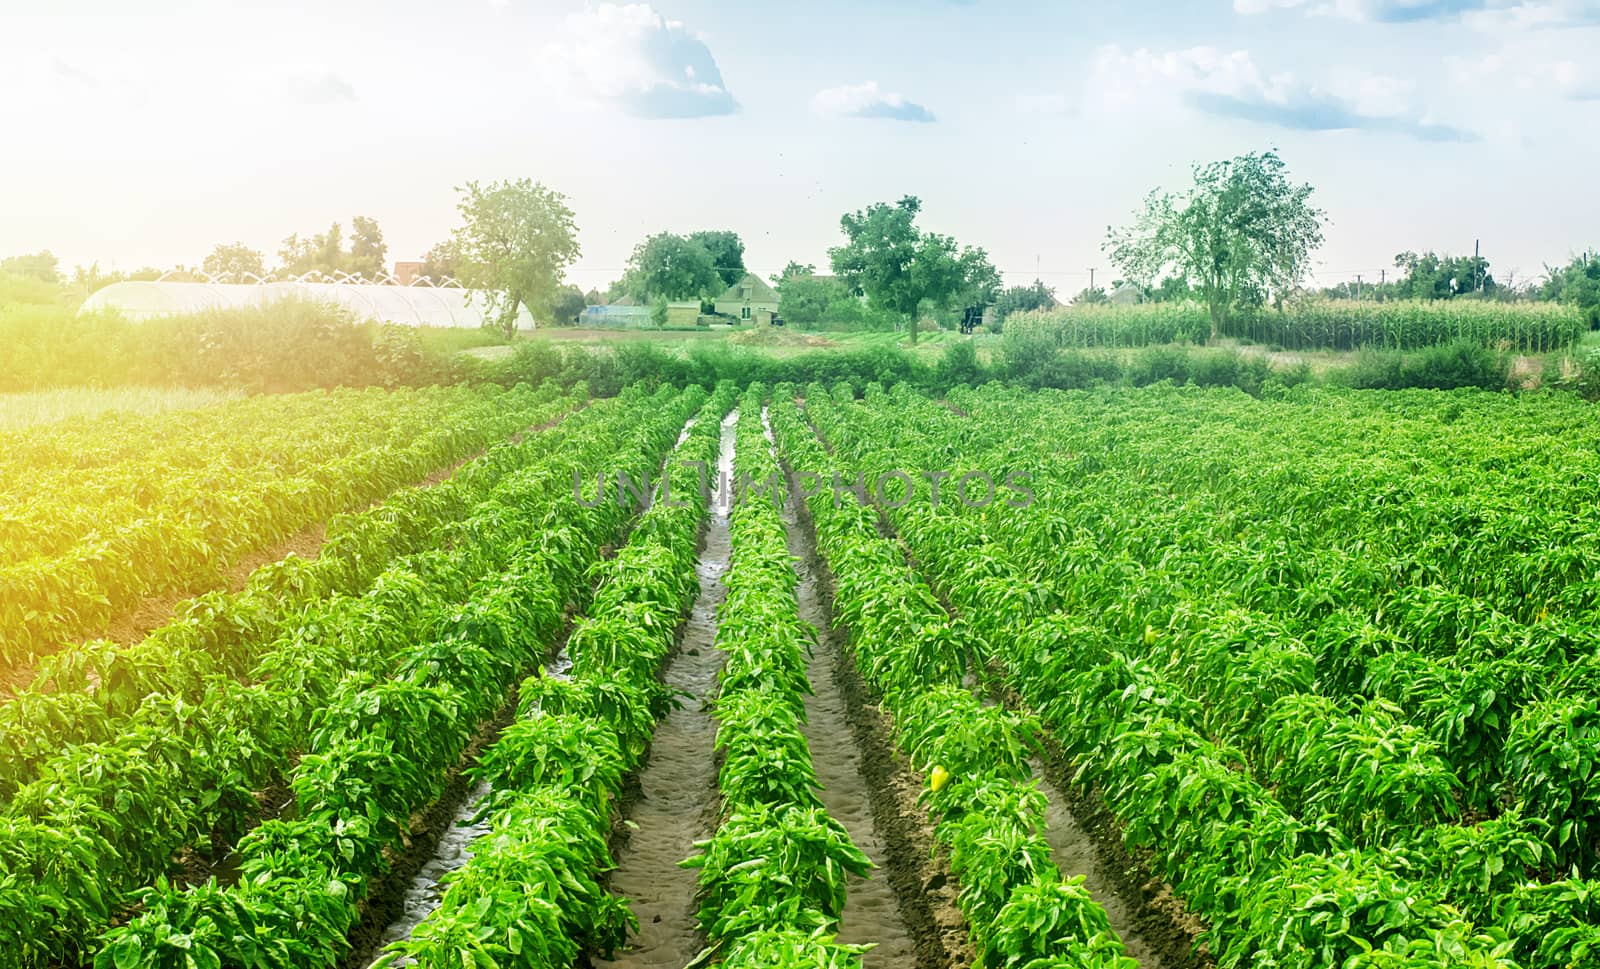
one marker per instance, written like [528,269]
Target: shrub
[1155,364]
[1460,363]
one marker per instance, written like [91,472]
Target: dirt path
[676,803]
[870,788]
[1076,852]
[872,908]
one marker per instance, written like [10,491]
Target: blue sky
[142,133]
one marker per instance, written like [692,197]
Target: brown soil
[874,911]
[386,893]
[675,802]
[914,865]
[672,801]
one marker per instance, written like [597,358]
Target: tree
[323,252]
[441,262]
[897,267]
[1243,233]
[1091,296]
[808,299]
[1171,289]
[727,253]
[569,302]
[672,267]
[518,240]
[1024,299]
[1432,276]
[43,266]
[980,280]
[235,260]
[792,270]
[1578,283]
[369,254]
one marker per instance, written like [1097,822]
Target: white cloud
[633,57]
[320,87]
[1484,14]
[1536,76]
[1229,84]
[868,101]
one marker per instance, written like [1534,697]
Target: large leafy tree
[1242,234]
[1024,299]
[515,245]
[727,253]
[368,252]
[1432,276]
[672,267]
[325,252]
[237,259]
[441,262]
[900,268]
[1578,283]
[43,266]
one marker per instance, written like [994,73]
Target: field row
[1217,635]
[98,515]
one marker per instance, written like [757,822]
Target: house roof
[760,291]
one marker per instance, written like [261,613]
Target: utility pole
[1358,287]
[1477,274]
[1091,280]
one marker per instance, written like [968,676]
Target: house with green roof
[750,299]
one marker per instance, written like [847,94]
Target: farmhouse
[749,299]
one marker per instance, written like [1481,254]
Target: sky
[139,133]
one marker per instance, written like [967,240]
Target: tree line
[1239,238]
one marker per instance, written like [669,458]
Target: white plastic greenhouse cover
[444,306]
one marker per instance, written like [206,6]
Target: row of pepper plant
[1445,568]
[1116,695]
[207,488]
[184,773]
[773,876]
[981,794]
[532,895]
[88,693]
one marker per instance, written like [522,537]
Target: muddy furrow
[676,803]
[872,909]
[908,905]
[1077,853]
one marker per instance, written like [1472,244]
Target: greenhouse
[416,305]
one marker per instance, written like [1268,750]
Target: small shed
[683,313]
[747,297]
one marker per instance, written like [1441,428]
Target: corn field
[1321,325]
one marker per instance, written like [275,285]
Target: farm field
[1299,680]
[38,408]
[110,512]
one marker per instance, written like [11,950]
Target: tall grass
[1320,325]
[287,346]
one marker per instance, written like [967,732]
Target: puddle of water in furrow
[453,849]
[1073,849]
[677,802]
[871,911]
